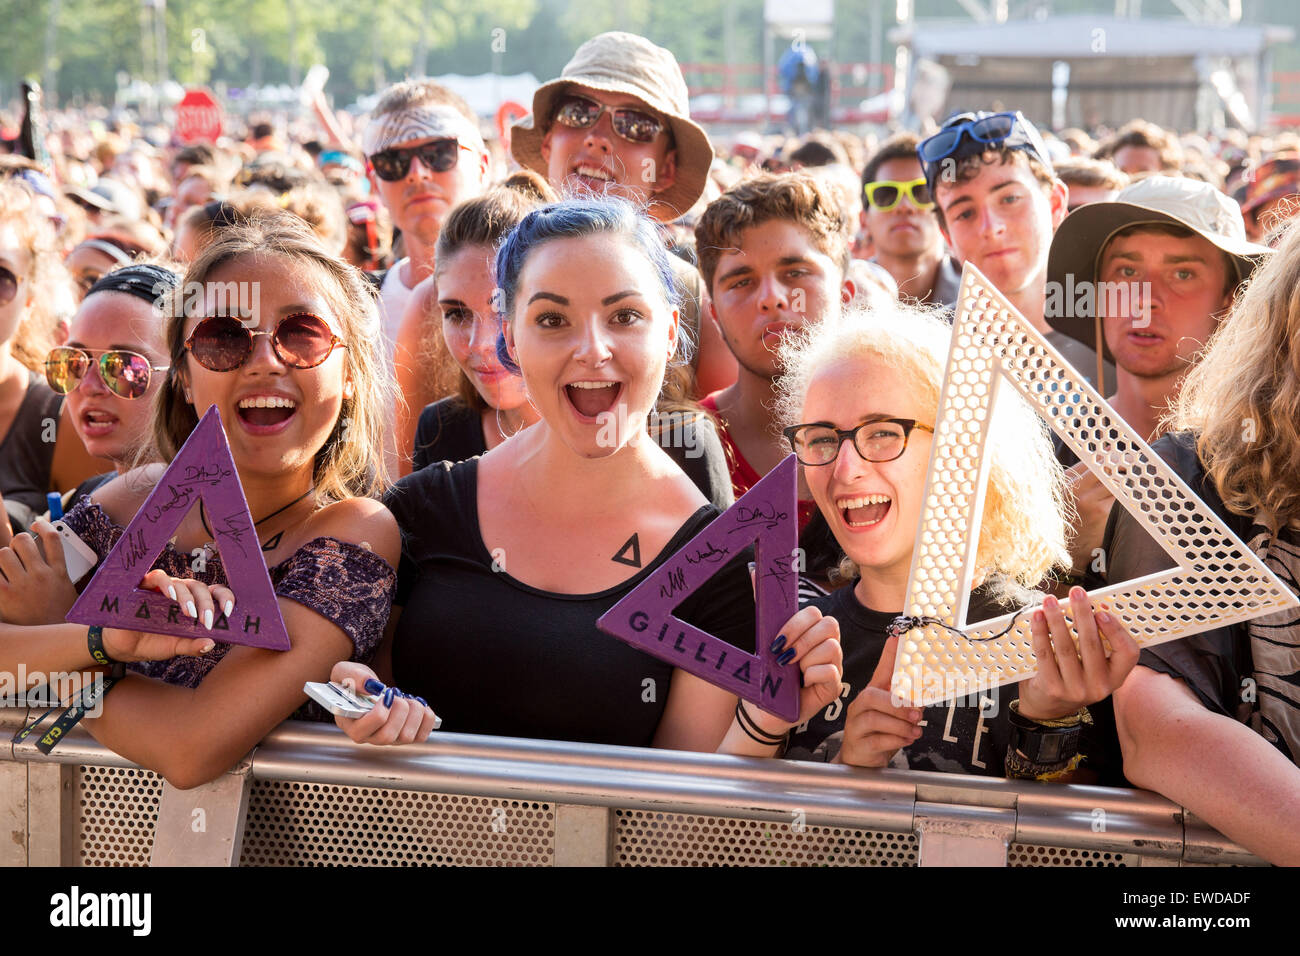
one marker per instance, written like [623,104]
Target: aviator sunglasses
[439,156]
[885,194]
[125,374]
[222,343]
[635,126]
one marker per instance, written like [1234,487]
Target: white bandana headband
[420,122]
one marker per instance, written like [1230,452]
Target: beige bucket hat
[632,65]
[1155,200]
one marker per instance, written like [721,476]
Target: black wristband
[755,732]
[95,642]
[1044,745]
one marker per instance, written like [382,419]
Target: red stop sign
[198,117]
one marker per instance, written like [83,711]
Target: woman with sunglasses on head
[509,559]
[39,449]
[861,397]
[110,369]
[302,398]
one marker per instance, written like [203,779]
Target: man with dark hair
[898,215]
[1142,147]
[774,253]
[999,202]
[618,120]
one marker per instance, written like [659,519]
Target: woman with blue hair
[509,559]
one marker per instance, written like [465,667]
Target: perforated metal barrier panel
[311,824]
[1027,854]
[116,811]
[650,838]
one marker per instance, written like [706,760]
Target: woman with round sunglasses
[109,370]
[861,397]
[39,448]
[302,398]
[509,559]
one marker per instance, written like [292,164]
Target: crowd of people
[477,392]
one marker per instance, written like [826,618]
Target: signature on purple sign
[203,470]
[645,619]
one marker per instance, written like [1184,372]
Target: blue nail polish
[786,658]
[389,695]
[373,686]
[423,702]
[778,644]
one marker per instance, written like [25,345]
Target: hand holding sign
[813,642]
[875,729]
[202,472]
[1067,678]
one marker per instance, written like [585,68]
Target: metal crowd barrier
[307,796]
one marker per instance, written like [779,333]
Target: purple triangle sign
[768,515]
[202,470]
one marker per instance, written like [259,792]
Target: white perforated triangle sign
[203,470]
[1217,580]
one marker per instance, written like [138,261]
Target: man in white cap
[616,121]
[424,155]
[1146,280]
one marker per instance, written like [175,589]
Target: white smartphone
[338,700]
[78,557]
[341,702]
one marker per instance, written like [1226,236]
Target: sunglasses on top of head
[9,283]
[302,340]
[633,125]
[440,156]
[1006,129]
[124,373]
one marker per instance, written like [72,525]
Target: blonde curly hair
[1242,398]
[36,333]
[1023,530]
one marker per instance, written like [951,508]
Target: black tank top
[26,457]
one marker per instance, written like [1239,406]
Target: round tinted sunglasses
[439,156]
[222,343]
[125,374]
[9,283]
[885,194]
[635,126]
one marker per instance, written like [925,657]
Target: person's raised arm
[1217,767]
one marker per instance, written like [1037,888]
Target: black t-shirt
[448,430]
[969,734]
[494,656]
[1218,665]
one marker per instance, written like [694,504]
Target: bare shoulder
[361,521]
[122,497]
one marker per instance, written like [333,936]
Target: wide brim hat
[631,65]
[1156,200]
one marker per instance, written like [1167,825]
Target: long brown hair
[350,464]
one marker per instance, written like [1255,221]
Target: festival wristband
[95,643]
[85,701]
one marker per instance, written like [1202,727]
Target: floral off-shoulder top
[344,583]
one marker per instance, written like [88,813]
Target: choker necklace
[271,543]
